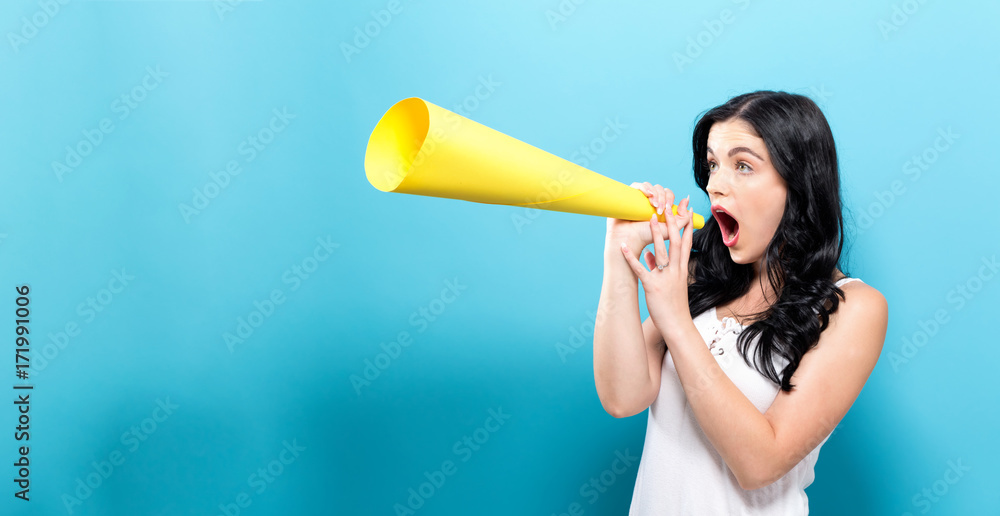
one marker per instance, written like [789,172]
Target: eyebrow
[735,150]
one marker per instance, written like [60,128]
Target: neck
[761,283]
[758,273]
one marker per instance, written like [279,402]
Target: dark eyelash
[709,163]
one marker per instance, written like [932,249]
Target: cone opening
[395,142]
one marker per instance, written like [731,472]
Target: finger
[668,200]
[647,191]
[673,233]
[642,188]
[684,209]
[686,243]
[658,246]
[650,260]
[651,193]
[660,197]
[686,246]
[632,262]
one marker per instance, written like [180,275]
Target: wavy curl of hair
[806,247]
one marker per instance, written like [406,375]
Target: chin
[738,258]
[742,257]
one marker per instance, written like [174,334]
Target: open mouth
[730,226]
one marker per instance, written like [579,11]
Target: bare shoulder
[863,311]
[862,297]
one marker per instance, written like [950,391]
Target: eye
[711,166]
[747,170]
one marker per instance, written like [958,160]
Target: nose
[718,184]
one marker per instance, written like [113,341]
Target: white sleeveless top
[681,473]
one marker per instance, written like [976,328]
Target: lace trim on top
[722,328]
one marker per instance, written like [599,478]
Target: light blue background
[527,287]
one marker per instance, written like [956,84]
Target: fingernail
[624,245]
[659,209]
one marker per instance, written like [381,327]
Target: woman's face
[745,186]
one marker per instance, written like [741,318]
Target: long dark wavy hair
[806,247]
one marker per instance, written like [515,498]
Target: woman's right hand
[637,233]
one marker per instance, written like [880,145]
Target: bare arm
[628,353]
[761,448]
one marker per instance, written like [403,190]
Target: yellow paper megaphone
[423,149]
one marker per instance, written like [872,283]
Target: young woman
[756,345]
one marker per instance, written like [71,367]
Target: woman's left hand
[666,281]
